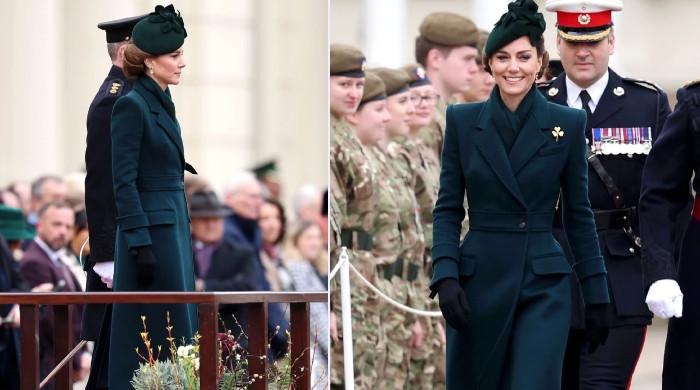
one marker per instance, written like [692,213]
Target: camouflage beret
[346,61]
[374,88]
[416,75]
[395,80]
[449,29]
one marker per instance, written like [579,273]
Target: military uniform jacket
[673,160]
[99,193]
[148,166]
[625,104]
[511,209]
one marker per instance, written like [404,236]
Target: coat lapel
[609,103]
[530,139]
[491,147]
[171,128]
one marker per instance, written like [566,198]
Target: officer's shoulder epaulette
[691,84]
[115,87]
[644,83]
[545,84]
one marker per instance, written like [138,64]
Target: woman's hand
[146,264]
[453,304]
[597,326]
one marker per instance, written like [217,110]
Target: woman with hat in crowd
[505,291]
[153,249]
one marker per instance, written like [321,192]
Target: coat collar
[529,141]
[171,127]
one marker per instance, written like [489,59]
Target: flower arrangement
[181,370]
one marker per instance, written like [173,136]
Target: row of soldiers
[387,129]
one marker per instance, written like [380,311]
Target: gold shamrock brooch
[557,132]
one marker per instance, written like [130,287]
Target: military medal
[557,132]
[621,140]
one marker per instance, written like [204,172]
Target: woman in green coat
[504,291]
[153,247]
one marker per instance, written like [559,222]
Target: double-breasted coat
[148,166]
[513,271]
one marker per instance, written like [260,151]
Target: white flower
[196,363]
[238,356]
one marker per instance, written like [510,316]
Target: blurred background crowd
[256,131]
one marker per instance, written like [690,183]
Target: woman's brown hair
[134,61]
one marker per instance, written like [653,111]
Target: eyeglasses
[418,99]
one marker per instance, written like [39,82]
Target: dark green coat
[148,165]
[513,271]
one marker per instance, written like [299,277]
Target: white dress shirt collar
[596,91]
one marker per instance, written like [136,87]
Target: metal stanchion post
[347,320]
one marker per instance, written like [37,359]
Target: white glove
[106,272]
[665,299]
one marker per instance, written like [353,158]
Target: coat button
[522,225]
[631,250]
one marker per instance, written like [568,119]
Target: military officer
[355,198]
[99,193]
[446,48]
[665,193]
[625,116]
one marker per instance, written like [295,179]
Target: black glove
[453,303]
[597,326]
[146,264]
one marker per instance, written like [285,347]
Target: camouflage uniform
[399,244]
[355,197]
[434,134]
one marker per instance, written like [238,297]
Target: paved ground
[648,373]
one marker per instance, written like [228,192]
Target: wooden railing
[208,304]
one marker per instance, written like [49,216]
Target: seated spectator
[244,196]
[42,264]
[307,242]
[272,224]
[15,229]
[307,203]
[45,189]
[219,264]
[10,281]
[73,258]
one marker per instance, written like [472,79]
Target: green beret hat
[416,75]
[522,19]
[374,88]
[13,226]
[395,80]
[161,32]
[448,29]
[347,61]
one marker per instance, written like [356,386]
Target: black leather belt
[615,219]
[357,239]
[397,269]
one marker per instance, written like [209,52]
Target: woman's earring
[151,71]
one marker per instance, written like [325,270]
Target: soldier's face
[370,122]
[345,94]
[457,68]
[401,109]
[423,100]
[55,227]
[515,68]
[167,68]
[481,86]
[585,62]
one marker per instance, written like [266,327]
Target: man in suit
[625,116]
[220,265]
[42,264]
[244,196]
[99,194]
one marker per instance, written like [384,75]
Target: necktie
[585,101]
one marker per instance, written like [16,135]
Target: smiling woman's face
[515,67]
[167,68]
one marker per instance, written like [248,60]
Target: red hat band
[584,19]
